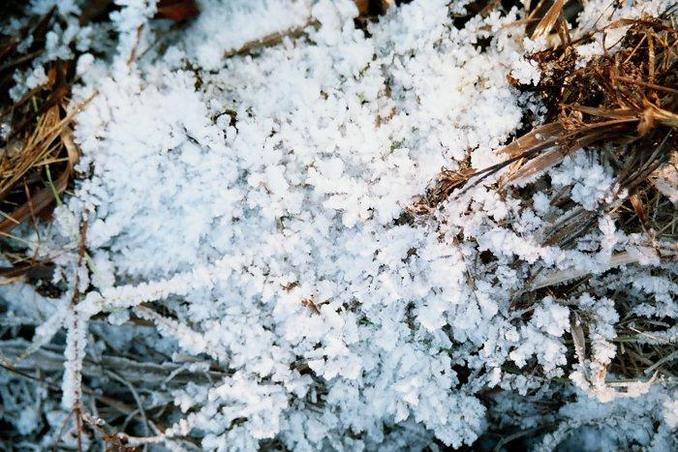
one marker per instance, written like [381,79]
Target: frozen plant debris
[338,225]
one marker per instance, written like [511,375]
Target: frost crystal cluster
[254,268]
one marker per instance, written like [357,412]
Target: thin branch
[273,39]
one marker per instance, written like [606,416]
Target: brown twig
[273,39]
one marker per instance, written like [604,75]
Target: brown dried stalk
[272,39]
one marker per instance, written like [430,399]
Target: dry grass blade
[564,276]
[539,138]
[550,151]
[638,207]
[272,39]
[548,21]
[578,338]
[446,182]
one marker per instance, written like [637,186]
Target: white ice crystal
[591,181]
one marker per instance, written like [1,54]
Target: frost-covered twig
[273,39]
[563,276]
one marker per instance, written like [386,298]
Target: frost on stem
[76,341]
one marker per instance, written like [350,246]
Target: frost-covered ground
[247,228]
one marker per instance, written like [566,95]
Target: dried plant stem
[563,276]
[273,39]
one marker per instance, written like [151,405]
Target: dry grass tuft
[625,98]
[622,103]
[37,153]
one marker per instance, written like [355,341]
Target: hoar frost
[256,199]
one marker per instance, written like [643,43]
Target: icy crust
[260,202]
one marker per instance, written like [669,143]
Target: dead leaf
[177,10]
